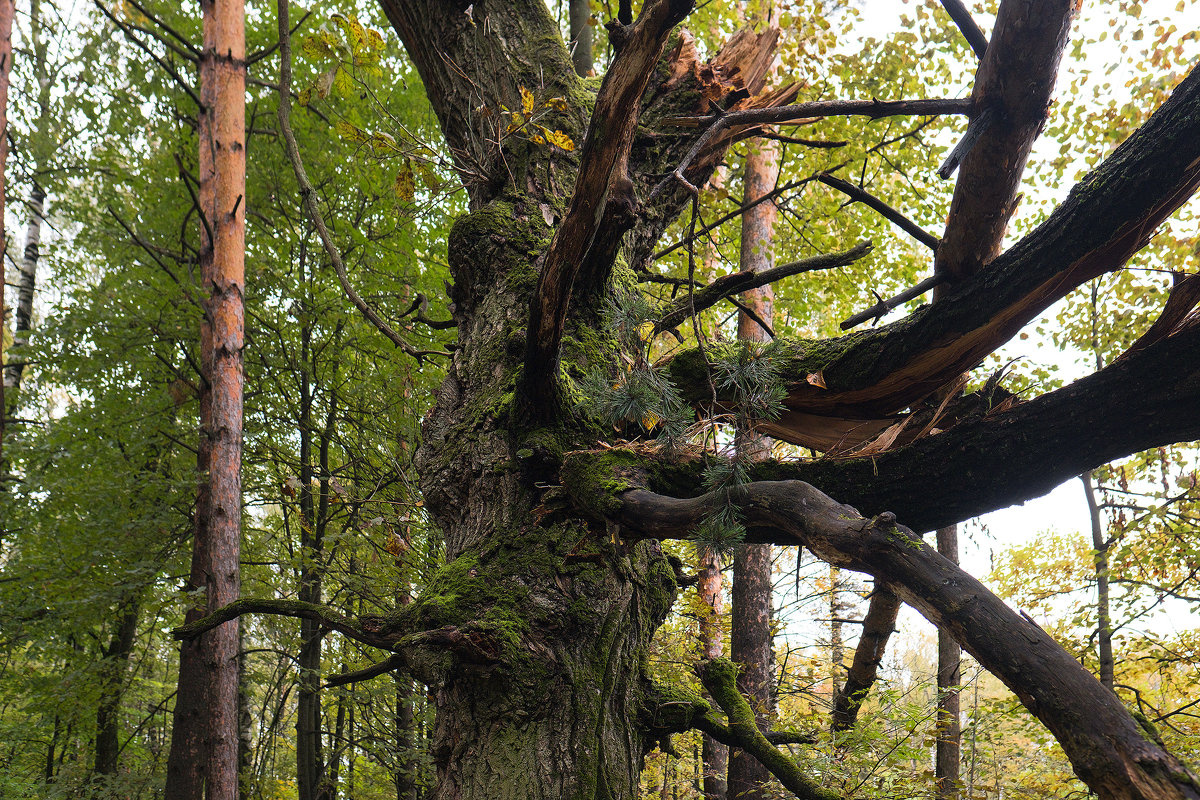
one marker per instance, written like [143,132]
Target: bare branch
[966,23]
[728,285]
[802,113]
[390,664]
[885,305]
[368,632]
[309,195]
[887,212]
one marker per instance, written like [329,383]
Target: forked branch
[602,179]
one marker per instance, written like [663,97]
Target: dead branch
[885,305]
[602,179]
[728,285]
[893,216]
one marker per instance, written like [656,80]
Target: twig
[804,112]
[309,195]
[893,216]
[884,306]
[771,195]
[721,288]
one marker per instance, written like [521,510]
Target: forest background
[97,475]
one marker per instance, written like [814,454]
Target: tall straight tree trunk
[26,283]
[1104,646]
[713,754]
[203,762]
[310,760]
[949,676]
[750,622]
[112,689]
[581,36]
[7,11]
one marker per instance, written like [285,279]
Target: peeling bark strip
[1013,85]
[1108,749]
[204,744]
[603,178]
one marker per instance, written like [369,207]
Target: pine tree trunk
[751,642]
[714,755]
[204,746]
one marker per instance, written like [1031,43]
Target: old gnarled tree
[555,582]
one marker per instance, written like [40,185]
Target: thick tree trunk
[949,677]
[204,744]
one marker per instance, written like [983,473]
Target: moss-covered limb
[723,287]
[719,677]
[1144,399]
[368,630]
[390,664]
[1106,746]
[1107,217]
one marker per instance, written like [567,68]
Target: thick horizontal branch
[367,630]
[748,279]
[1107,747]
[1142,400]
[893,216]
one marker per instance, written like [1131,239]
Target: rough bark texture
[203,758]
[751,639]
[1011,97]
